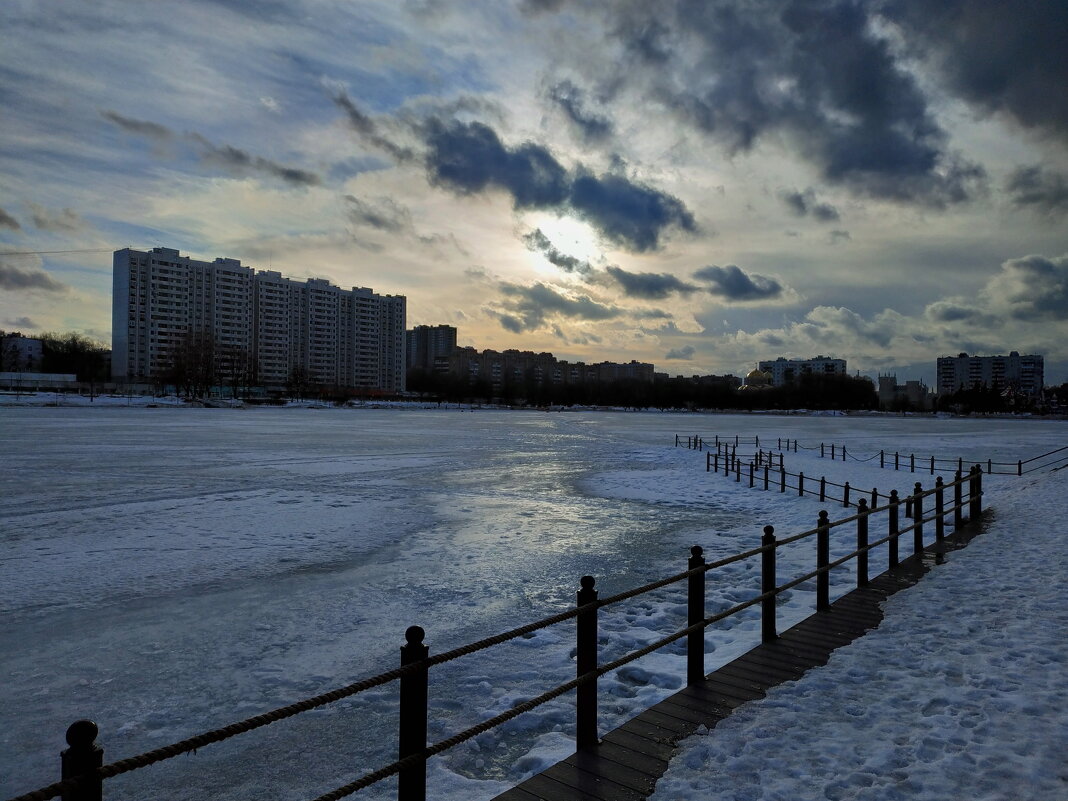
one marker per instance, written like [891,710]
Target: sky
[697,185]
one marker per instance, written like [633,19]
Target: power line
[46,252]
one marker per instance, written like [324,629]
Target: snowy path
[960,693]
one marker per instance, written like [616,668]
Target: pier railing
[83,771]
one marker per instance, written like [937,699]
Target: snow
[169,570]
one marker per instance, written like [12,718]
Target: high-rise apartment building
[785,371]
[350,339]
[425,343]
[1025,374]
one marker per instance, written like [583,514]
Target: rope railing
[84,772]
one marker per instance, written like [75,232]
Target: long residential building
[1024,374]
[500,368]
[326,335]
[786,371]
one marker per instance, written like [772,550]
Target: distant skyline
[696,185]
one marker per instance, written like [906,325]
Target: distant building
[913,395]
[1022,374]
[348,339]
[785,371]
[515,367]
[20,354]
[425,343]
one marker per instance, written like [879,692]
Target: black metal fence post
[83,756]
[833,457]
[800,485]
[766,468]
[940,509]
[586,659]
[893,529]
[1019,468]
[897,460]
[882,459]
[708,461]
[411,781]
[823,558]
[975,493]
[958,500]
[845,494]
[751,469]
[695,605]
[874,498]
[932,465]
[821,451]
[862,543]
[917,518]
[823,488]
[767,584]
[912,463]
[843,453]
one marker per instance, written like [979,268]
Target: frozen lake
[166,571]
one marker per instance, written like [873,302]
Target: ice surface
[169,570]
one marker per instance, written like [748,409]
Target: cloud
[838,236]
[381,213]
[732,283]
[469,158]
[1002,58]
[526,308]
[818,76]
[1035,187]
[239,162]
[538,242]
[685,353]
[1031,288]
[650,286]
[368,128]
[629,214]
[804,203]
[151,130]
[7,221]
[13,279]
[57,221]
[23,323]
[957,311]
[572,101]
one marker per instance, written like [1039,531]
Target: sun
[570,236]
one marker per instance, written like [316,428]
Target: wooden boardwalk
[627,763]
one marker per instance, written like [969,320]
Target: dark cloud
[469,158]
[1032,288]
[1035,187]
[837,236]
[948,311]
[14,280]
[650,286]
[814,73]
[571,100]
[1001,57]
[239,162]
[629,214]
[368,129]
[383,213]
[805,203]
[7,221]
[684,353]
[151,130]
[732,283]
[538,242]
[527,307]
[58,221]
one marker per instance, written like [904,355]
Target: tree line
[807,392]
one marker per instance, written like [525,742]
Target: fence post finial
[83,756]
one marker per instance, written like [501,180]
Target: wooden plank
[592,762]
[615,751]
[595,785]
[643,746]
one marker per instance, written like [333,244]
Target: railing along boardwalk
[82,765]
[627,762]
